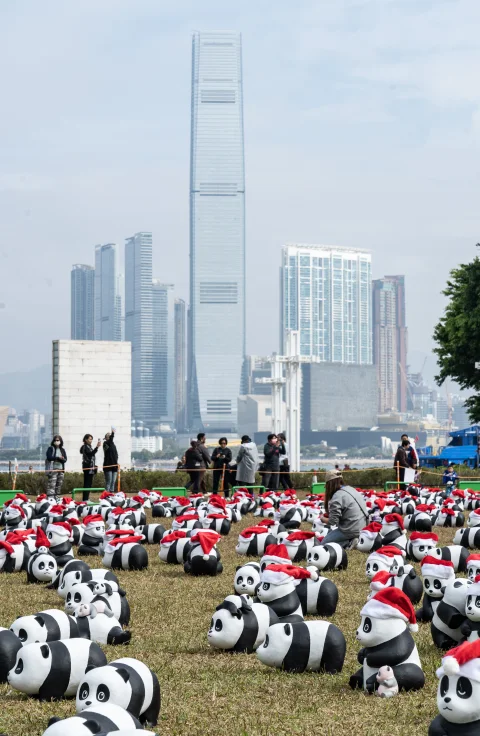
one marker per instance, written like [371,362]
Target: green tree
[457,334]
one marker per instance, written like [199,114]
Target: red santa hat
[394,520]
[173,536]
[118,532]
[218,502]
[20,497]
[18,511]
[463,661]
[137,499]
[207,539]
[66,500]
[217,516]
[474,518]
[192,515]
[445,511]
[267,522]
[41,497]
[106,494]
[280,574]
[420,538]
[251,531]
[380,580]
[391,603]
[386,555]
[182,501]
[372,530]
[380,503]
[42,540]
[56,510]
[473,560]
[6,548]
[459,493]
[435,568]
[22,534]
[61,528]
[275,554]
[118,511]
[130,539]
[425,508]
[92,520]
[267,505]
[300,536]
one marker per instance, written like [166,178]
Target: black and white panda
[55,670]
[274,527]
[13,517]
[71,565]
[74,577]
[95,621]
[125,551]
[402,577]
[126,682]
[370,537]
[9,646]
[266,510]
[384,633]
[218,523]
[448,517]
[458,694]
[175,547]
[203,556]
[393,531]
[253,541]
[471,627]
[291,516]
[238,625]
[455,553]
[383,559]
[318,596]
[469,538]
[45,626]
[473,566]
[420,545]
[420,520]
[103,591]
[58,535]
[436,574]
[98,720]
[328,557]
[305,646]
[14,554]
[449,616]
[161,509]
[299,544]
[187,521]
[247,579]
[277,589]
[151,533]
[92,539]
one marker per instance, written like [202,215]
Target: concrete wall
[255,414]
[92,392]
[338,395]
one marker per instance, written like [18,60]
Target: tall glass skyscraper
[179,368]
[139,323]
[163,384]
[217,231]
[390,342]
[326,295]
[82,302]
[106,314]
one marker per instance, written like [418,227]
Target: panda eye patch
[288,629]
[477,602]
[265,643]
[266,586]
[77,597]
[426,584]
[250,581]
[22,635]
[239,580]
[375,567]
[444,683]
[103,694]
[218,625]
[367,625]
[437,584]
[19,667]
[464,688]
[316,556]
[421,549]
[51,564]
[41,565]
[84,691]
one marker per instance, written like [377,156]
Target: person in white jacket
[247,461]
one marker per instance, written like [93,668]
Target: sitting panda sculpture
[449,616]
[59,534]
[436,574]
[239,625]
[42,565]
[277,589]
[370,537]
[92,538]
[247,579]
[387,620]
[458,694]
[304,646]
[471,627]
[203,556]
[383,559]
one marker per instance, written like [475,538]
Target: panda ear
[92,726]
[412,573]
[91,585]
[90,667]
[239,567]
[54,719]
[39,620]
[400,571]
[108,589]
[123,674]
[45,650]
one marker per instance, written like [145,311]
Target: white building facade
[91,392]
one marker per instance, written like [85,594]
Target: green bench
[8,495]
[170,492]
[318,487]
[473,484]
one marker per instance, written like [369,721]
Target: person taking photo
[88,463]
[110,461]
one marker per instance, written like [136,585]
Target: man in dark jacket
[401,460]
[206,459]
[110,461]
[55,466]
[221,458]
[271,465]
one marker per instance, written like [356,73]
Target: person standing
[221,456]
[401,460]
[110,461]
[206,459]
[55,463]
[247,461]
[88,463]
[193,464]
[346,510]
[285,479]
[271,465]
[412,456]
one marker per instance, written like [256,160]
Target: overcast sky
[362,128]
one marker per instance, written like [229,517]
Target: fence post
[398,476]
[222,480]
[118,479]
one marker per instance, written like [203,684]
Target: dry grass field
[208,692]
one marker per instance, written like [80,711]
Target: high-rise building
[217,231]
[326,295]
[179,367]
[106,327]
[163,384]
[120,308]
[138,322]
[390,342]
[82,302]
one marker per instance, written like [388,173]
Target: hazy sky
[362,128]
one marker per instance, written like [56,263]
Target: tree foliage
[457,334]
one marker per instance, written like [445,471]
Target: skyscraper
[326,295]
[120,308]
[163,384]
[138,322]
[390,342]
[106,292]
[82,302]
[217,231]
[179,368]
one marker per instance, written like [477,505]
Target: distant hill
[27,390]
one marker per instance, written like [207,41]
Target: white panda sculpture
[99,719]
[469,538]
[383,559]
[458,694]
[95,621]
[420,545]
[370,537]
[436,574]
[175,546]
[55,670]
[204,557]
[238,625]
[473,566]
[471,627]
[449,616]
[9,646]
[126,682]
[151,533]
[59,536]
[116,600]
[299,544]
[329,556]
[124,551]
[384,632]
[92,538]
[247,579]
[97,575]
[404,578]
[45,626]
[318,596]
[305,646]
[253,541]
[278,590]
[393,531]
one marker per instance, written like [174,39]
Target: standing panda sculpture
[247,579]
[220,523]
[124,551]
[55,670]
[275,554]
[458,694]
[471,627]
[449,616]
[448,517]
[151,533]
[203,557]
[238,625]
[14,554]
[99,719]
[404,578]
[387,620]
[436,574]
[304,646]
[126,682]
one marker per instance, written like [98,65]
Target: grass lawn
[208,692]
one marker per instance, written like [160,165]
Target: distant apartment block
[82,302]
[390,342]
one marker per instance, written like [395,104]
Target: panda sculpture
[71,565]
[471,627]
[9,646]
[161,509]
[420,520]
[14,554]
[454,553]
[55,670]
[274,527]
[203,556]
[238,625]
[473,566]
[448,517]
[74,577]
[449,616]
[151,533]
[383,559]
[318,596]
[469,538]
[436,574]
[92,539]
[99,720]
[247,579]
[58,535]
[290,516]
[126,682]
[124,551]
[387,620]
[329,556]
[187,521]
[218,523]
[45,626]
[393,531]
[370,537]
[95,621]
[275,554]
[299,544]
[253,541]
[304,646]
[116,600]
[278,590]
[458,694]
[420,545]
[266,511]
[402,577]
[174,547]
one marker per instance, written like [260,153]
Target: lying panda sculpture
[238,625]
[305,646]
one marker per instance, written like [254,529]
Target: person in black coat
[88,463]
[221,456]
[110,461]
[55,466]
[271,464]
[193,464]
